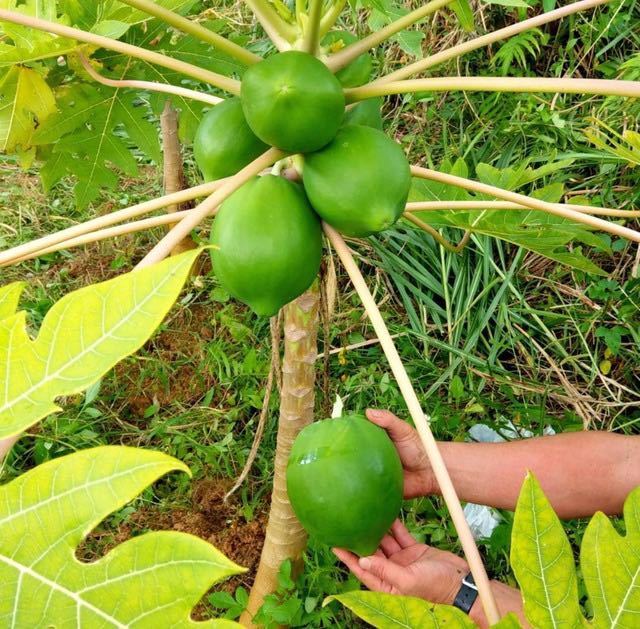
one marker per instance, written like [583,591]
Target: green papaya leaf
[81,338]
[536,231]
[149,581]
[542,561]
[610,565]
[390,611]
[9,296]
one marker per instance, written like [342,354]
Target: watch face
[467,594]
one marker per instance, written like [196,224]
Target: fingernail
[372,412]
[364,563]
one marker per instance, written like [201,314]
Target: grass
[494,334]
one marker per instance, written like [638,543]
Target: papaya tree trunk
[173,168]
[285,538]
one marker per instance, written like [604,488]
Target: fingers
[366,578]
[402,535]
[389,546]
[394,576]
[394,426]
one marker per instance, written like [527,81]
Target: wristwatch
[467,594]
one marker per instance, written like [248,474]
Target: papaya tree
[291,151]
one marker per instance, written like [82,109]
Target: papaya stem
[330,17]
[150,86]
[311,34]
[427,206]
[192,27]
[213,78]
[486,40]
[528,202]
[279,32]
[421,421]
[604,87]
[353,51]
[437,236]
[197,214]
[26,250]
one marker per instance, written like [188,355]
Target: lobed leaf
[542,562]
[610,565]
[149,581]
[81,338]
[9,296]
[390,611]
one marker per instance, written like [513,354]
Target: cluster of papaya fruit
[267,236]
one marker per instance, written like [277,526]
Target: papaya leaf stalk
[345,56]
[188,69]
[37,246]
[426,206]
[191,27]
[603,87]
[311,37]
[150,86]
[529,202]
[437,236]
[485,40]
[421,421]
[331,16]
[280,32]
[285,538]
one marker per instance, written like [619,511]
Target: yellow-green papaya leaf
[510,621]
[26,101]
[83,336]
[610,565]
[542,561]
[9,296]
[390,611]
[149,581]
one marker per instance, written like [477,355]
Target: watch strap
[467,594]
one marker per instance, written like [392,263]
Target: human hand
[418,477]
[403,566]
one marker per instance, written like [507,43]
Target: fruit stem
[421,422]
[25,251]
[197,214]
[280,32]
[353,51]
[430,206]
[485,40]
[528,202]
[194,28]
[330,17]
[311,33]
[218,80]
[165,88]
[605,87]
[439,238]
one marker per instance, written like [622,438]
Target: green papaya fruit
[358,183]
[267,243]
[345,480]
[224,142]
[292,101]
[367,113]
[359,71]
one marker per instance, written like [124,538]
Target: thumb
[387,571]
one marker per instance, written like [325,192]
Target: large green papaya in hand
[359,183]
[345,480]
[358,72]
[224,142]
[292,101]
[267,243]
